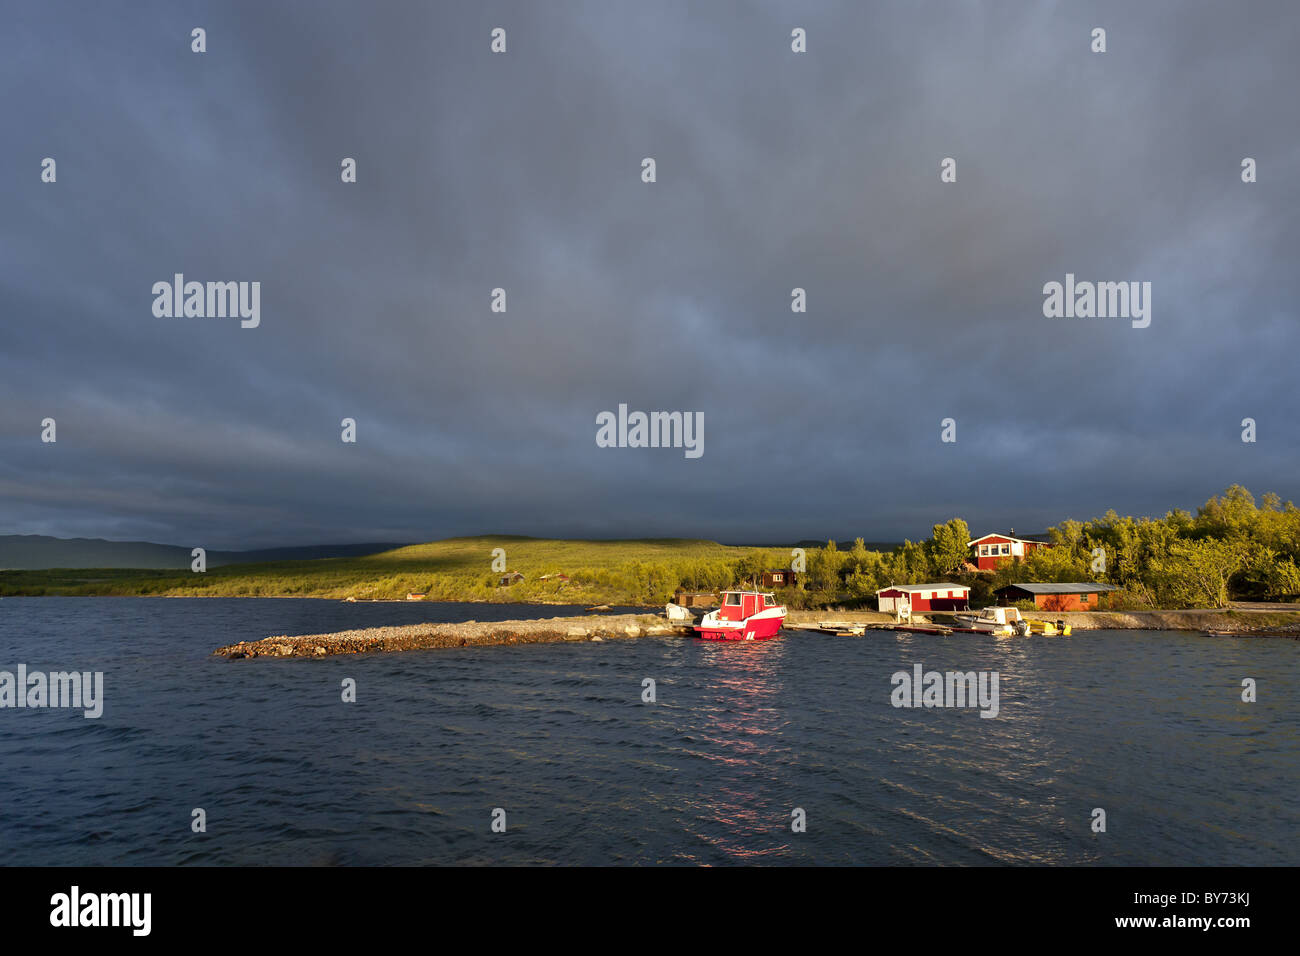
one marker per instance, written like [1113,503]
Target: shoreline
[1186,619]
[1284,622]
[601,627]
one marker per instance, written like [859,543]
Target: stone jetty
[467,634]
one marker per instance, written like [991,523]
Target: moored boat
[998,621]
[743,616]
[840,628]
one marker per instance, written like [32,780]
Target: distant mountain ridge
[27,552]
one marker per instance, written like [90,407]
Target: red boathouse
[924,597]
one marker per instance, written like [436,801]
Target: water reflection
[740,734]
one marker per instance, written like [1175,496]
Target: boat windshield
[733,598]
[767,601]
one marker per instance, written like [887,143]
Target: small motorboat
[838,628]
[998,621]
[743,616]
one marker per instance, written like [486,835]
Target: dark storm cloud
[775,170]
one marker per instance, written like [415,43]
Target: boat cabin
[999,615]
[738,605]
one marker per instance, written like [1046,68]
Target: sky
[522,170]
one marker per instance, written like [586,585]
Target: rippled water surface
[1149,726]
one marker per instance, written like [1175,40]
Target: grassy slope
[454,569]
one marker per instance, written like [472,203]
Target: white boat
[998,621]
[675,612]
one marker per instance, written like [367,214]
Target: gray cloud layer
[775,170]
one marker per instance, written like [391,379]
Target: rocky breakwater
[466,634]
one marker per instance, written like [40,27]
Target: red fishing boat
[744,616]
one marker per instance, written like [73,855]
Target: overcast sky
[522,170]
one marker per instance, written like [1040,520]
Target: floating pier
[860,628]
[838,628]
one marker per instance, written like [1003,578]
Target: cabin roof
[941,586]
[1005,537]
[1069,587]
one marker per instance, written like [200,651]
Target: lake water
[1149,726]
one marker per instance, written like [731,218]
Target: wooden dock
[860,628]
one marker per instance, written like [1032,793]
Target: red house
[924,597]
[780,578]
[992,549]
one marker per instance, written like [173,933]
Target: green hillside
[1233,548]
[457,569]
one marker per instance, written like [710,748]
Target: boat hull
[755,629]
